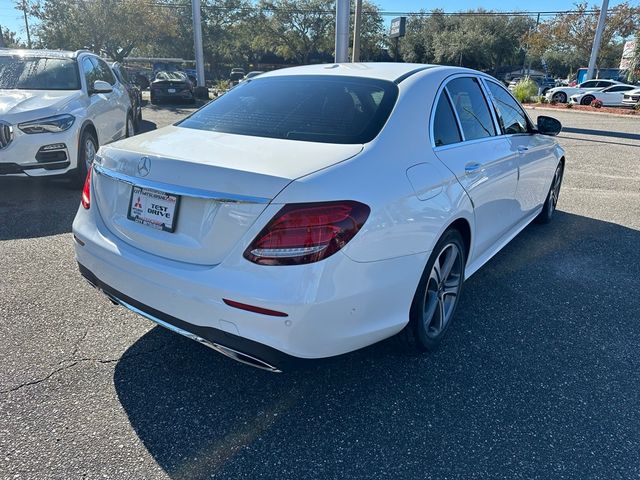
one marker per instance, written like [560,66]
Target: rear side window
[445,126]
[314,108]
[471,107]
[621,88]
[510,116]
[590,84]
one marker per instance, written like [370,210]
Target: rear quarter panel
[403,221]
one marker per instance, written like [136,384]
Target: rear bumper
[184,95]
[238,348]
[333,307]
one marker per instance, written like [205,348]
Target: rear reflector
[86,191]
[254,309]
[307,232]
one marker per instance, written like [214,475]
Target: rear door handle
[522,149]
[472,168]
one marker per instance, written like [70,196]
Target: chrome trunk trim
[177,189]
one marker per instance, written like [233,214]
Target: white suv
[56,108]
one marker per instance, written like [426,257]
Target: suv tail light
[86,191]
[307,232]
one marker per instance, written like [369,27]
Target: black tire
[587,99]
[421,333]
[130,129]
[559,97]
[551,202]
[77,177]
[153,100]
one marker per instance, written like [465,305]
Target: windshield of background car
[38,73]
[313,108]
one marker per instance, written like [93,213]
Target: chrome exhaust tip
[245,358]
[226,351]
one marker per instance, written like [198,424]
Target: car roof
[602,80]
[393,72]
[42,53]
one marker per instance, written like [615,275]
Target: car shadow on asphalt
[146,126]
[537,377]
[39,207]
[602,133]
[176,107]
[36,207]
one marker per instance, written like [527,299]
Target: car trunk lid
[223,183]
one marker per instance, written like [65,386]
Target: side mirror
[548,125]
[100,86]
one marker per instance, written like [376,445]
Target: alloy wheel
[554,193]
[559,97]
[89,152]
[443,287]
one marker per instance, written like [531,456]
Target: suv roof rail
[82,50]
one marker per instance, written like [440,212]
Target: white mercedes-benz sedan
[315,210]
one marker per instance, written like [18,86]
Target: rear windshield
[38,73]
[171,76]
[327,109]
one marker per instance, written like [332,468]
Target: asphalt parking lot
[538,378]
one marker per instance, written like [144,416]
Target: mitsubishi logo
[144,166]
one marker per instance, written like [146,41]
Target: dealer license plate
[153,208]
[171,90]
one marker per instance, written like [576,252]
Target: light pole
[24,6]
[357,25]
[342,31]
[197,43]
[597,39]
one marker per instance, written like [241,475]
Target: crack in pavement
[73,362]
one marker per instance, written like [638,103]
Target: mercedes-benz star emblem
[144,166]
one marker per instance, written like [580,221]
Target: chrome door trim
[491,103]
[177,189]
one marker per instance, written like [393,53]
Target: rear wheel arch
[463,226]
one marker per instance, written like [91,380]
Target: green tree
[475,39]
[111,27]
[297,29]
[9,39]
[573,33]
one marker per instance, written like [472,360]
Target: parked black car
[171,85]
[142,81]
[135,95]
[236,75]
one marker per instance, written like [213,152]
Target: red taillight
[307,232]
[253,308]
[86,191]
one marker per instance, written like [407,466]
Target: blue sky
[10,18]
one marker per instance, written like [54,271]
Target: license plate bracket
[154,208]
